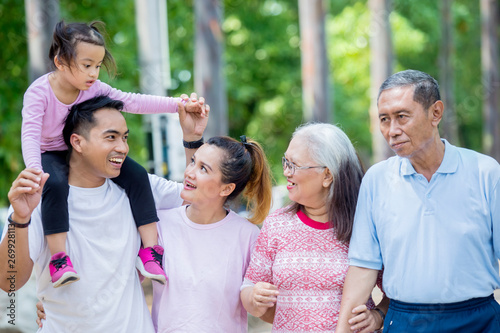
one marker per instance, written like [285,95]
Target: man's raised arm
[15,262]
[193,125]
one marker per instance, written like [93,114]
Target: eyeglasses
[292,167]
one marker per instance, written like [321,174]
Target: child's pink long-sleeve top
[44,115]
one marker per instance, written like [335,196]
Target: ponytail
[246,166]
[258,191]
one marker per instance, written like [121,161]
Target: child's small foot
[149,263]
[61,270]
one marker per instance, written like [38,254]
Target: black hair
[245,164]
[81,116]
[426,88]
[67,36]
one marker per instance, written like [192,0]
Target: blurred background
[265,67]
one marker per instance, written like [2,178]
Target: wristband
[17,225]
[193,144]
[381,313]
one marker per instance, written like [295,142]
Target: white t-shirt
[205,265]
[102,243]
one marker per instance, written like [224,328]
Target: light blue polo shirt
[438,241]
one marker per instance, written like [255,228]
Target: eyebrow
[208,166]
[112,131]
[90,59]
[395,112]
[203,163]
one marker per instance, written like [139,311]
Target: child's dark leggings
[133,179]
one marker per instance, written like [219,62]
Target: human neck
[79,177]
[319,214]
[206,214]
[429,161]
[64,92]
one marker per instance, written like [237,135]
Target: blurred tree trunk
[489,62]
[448,126]
[380,69]
[315,73]
[152,32]
[41,18]
[208,79]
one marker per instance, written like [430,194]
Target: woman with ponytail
[207,245]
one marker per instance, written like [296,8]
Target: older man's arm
[15,262]
[358,285]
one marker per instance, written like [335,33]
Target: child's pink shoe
[149,263]
[61,270]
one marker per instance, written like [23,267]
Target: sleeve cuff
[365,264]
[246,283]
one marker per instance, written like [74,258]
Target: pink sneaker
[61,270]
[149,263]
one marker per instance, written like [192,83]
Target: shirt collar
[448,165]
[312,223]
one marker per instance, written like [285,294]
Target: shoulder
[171,211]
[382,173]
[98,84]
[282,213]
[39,87]
[98,88]
[486,167]
[157,181]
[383,167]
[242,223]
[279,217]
[166,216]
[469,156]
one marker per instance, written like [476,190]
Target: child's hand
[194,105]
[193,124]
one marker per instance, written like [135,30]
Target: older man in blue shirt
[430,218]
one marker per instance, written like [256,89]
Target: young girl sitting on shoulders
[77,53]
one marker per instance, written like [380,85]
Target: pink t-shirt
[205,264]
[308,265]
[44,115]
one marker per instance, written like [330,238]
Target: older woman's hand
[366,320]
[259,298]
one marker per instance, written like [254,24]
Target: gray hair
[328,145]
[426,88]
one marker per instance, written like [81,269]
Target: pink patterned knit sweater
[308,264]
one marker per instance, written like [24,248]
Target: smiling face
[305,186]
[99,154]
[203,178]
[408,129]
[84,71]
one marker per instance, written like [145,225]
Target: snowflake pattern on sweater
[307,264]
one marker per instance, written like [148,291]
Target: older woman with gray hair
[299,262]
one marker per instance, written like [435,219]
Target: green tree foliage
[119,19]
[13,83]
[262,66]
